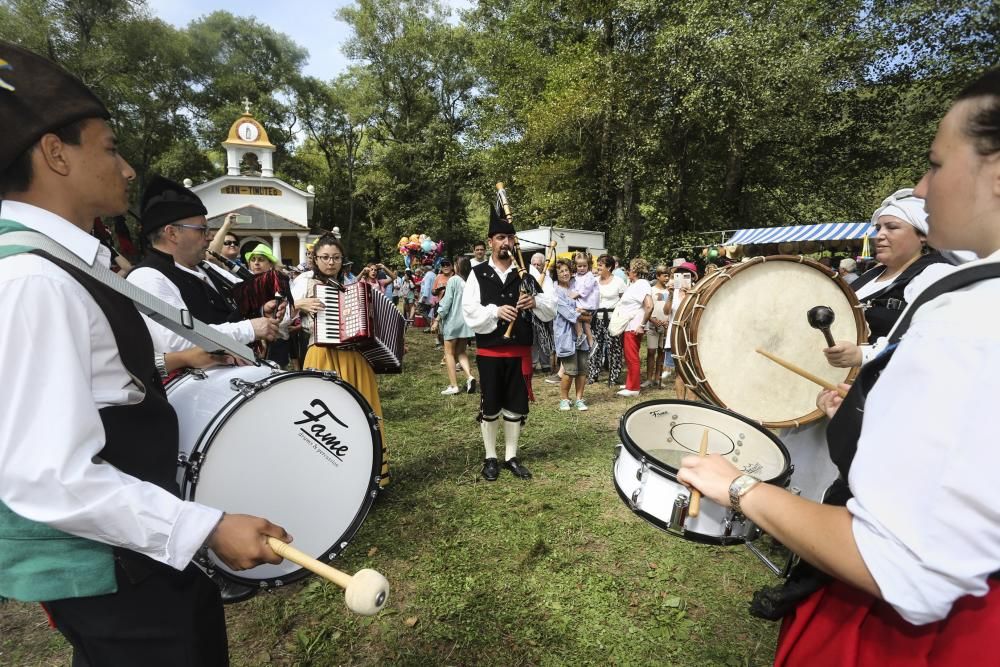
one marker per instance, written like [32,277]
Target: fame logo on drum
[752,469]
[318,433]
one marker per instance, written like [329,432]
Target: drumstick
[803,373]
[365,593]
[695,506]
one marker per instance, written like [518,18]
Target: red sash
[839,625]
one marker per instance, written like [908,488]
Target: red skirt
[839,625]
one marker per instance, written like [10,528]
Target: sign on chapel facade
[278,213]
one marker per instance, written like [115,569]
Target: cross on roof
[246,105]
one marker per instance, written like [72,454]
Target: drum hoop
[690,536]
[204,444]
[707,393]
[637,452]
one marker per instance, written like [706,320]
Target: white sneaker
[564,405]
[628,393]
[664,375]
[645,383]
[580,405]
[451,390]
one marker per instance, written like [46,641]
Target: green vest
[37,562]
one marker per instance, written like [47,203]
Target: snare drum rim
[704,389]
[639,453]
[690,536]
[204,444]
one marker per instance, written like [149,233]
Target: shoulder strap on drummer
[950,283]
[18,239]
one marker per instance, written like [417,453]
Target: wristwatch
[739,488]
[161,365]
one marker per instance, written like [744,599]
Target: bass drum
[762,304]
[301,449]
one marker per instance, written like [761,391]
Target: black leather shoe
[516,468]
[491,470]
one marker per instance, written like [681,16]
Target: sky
[310,23]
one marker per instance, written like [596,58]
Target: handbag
[619,321]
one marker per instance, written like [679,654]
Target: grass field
[552,571]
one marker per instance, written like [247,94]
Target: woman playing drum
[915,552]
[902,253]
[350,365]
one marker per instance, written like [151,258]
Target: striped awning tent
[828,231]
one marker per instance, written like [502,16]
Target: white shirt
[926,516]
[927,277]
[610,292]
[476,262]
[61,365]
[226,274]
[159,285]
[483,318]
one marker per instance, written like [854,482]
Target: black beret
[165,201]
[38,96]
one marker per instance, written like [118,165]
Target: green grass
[551,571]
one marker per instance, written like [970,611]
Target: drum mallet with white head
[365,593]
[821,317]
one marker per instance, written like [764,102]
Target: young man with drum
[491,301]
[90,521]
[914,556]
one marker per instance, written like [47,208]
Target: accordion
[361,318]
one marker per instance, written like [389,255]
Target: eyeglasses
[200,228]
[329,258]
[231,244]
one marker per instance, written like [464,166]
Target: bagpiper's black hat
[499,224]
[164,202]
[38,96]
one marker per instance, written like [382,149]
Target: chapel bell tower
[248,150]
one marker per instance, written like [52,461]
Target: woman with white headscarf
[902,253]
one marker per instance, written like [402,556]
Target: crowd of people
[900,562]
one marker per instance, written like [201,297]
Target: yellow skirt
[355,370]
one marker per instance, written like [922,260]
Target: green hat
[264,251]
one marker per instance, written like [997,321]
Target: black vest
[492,291]
[141,440]
[211,306]
[884,307]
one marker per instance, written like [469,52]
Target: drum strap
[17,238]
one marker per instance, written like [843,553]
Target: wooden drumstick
[365,593]
[695,505]
[803,373]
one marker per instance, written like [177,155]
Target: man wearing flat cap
[91,524]
[174,269]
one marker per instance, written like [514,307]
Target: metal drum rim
[637,452]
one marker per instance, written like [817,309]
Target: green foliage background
[653,122]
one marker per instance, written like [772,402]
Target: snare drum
[655,435]
[301,449]
[763,304]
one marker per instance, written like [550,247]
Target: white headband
[904,206]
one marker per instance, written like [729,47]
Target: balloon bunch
[419,248]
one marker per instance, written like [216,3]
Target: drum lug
[618,452]
[643,467]
[330,375]
[678,515]
[245,388]
[197,373]
[191,465]
[633,502]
